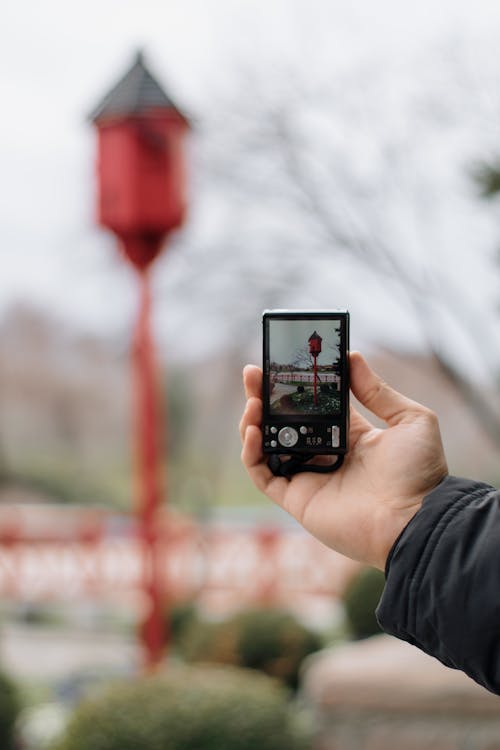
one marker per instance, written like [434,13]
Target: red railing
[52,554]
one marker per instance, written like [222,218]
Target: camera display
[306,381]
[304,367]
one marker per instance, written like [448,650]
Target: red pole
[315,376]
[268,541]
[152,629]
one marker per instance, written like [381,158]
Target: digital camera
[305,390]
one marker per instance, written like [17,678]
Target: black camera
[305,390]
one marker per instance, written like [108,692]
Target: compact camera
[305,390]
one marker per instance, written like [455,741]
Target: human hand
[361,509]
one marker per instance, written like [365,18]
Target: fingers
[251,416]
[258,470]
[252,380]
[377,396]
[251,455]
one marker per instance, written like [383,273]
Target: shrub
[360,601]
[269,640]
[9,709]
[203,708]
[179,619]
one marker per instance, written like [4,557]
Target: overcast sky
[287,338]
[58,57]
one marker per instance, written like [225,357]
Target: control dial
[287,437]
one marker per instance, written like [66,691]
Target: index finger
[252,380]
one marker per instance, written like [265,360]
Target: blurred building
[65,405]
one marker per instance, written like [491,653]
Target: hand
[361,509]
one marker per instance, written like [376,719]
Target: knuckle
[375,390]
[431,416]
[428,415]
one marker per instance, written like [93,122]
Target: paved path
[281,389]
[35,652]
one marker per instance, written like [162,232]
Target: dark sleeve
[442,589]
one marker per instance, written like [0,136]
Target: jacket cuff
[412,551]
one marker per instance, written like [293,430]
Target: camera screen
[305,367]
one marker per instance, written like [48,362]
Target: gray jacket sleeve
[442,590]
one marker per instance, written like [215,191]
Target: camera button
[303,430]
[274,430]
[274,444]
[288,436]
[335,436]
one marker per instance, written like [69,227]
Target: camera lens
[287,437]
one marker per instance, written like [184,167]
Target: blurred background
[341,155]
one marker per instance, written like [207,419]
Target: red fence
[61,554]
[303,377]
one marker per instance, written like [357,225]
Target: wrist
[394,528]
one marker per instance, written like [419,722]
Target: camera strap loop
[296,464]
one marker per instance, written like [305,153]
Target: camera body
[305,390]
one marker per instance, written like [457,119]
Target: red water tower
[140,165]
[315,349]
[315,344]
[141,179]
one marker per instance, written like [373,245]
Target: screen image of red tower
[304,367]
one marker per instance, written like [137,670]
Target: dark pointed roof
[315,335]
[135,93]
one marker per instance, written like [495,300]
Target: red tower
[142,198]
[140,165]
[315,349]
[315,344]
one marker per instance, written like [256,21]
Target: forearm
[443,580]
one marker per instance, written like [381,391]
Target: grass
[303,403]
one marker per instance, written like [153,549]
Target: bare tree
[302,198]
[302,358]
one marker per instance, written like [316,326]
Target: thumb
[377,396]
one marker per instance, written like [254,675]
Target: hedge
[269,640]
[188,708]
[361,599]
[9,710]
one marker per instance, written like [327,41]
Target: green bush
[360,601]
[269,640]
[9,709]
[190,708]
[179,619]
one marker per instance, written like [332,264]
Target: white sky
[287,337]
[58,57]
